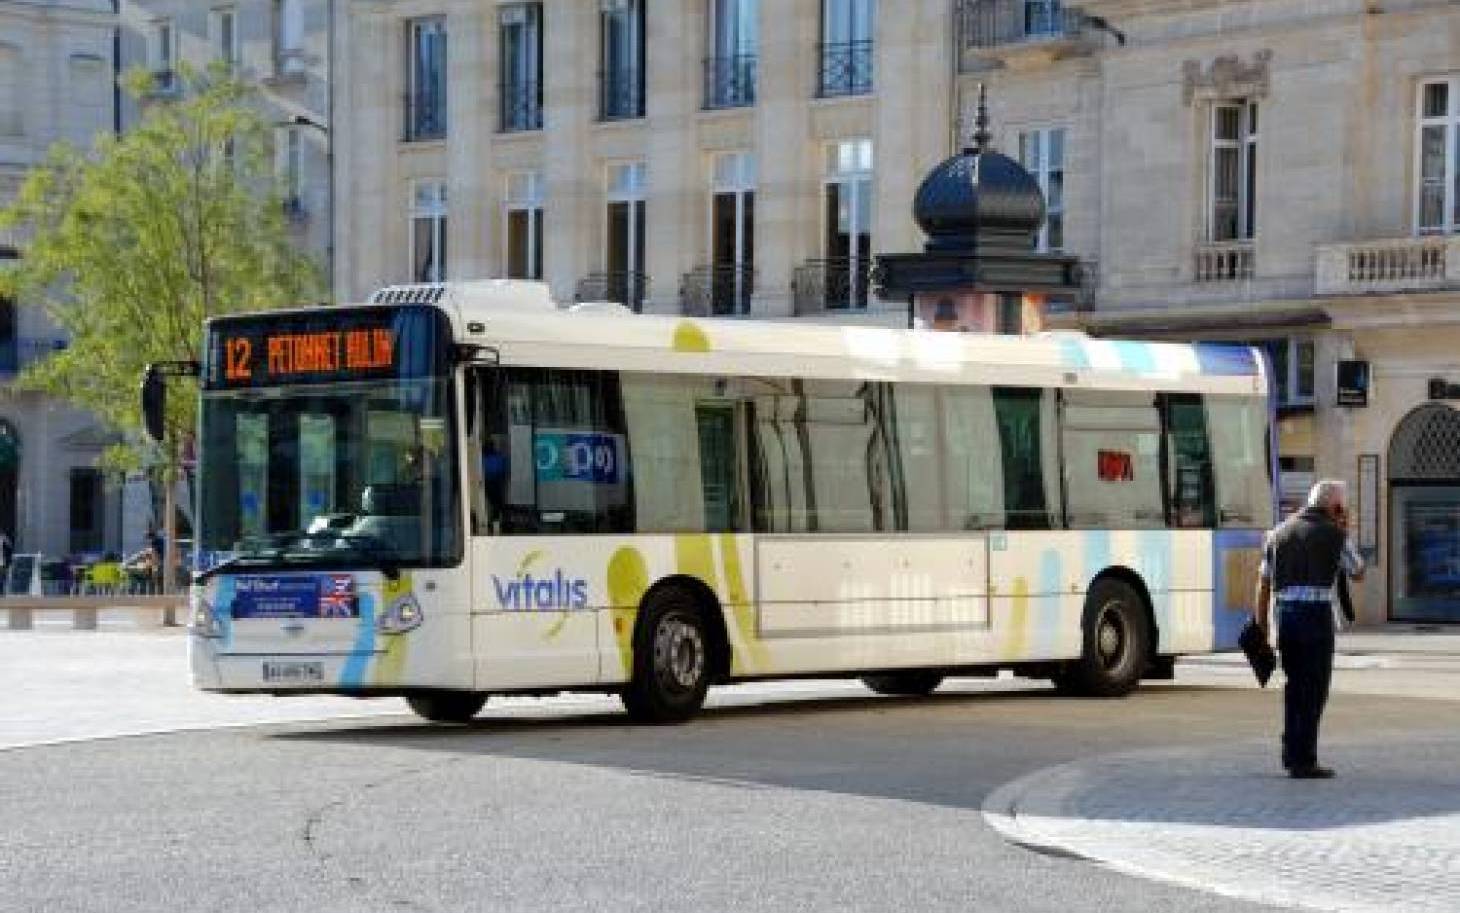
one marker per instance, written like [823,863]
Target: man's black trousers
[1305,640]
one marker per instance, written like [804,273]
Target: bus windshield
[327,438]
[356,474]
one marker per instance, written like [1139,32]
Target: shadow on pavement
[949,749]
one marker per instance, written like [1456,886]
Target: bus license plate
[294,673]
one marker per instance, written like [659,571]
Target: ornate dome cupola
[981,212]
[979,199]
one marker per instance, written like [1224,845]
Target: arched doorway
[1424,516]
[9,477]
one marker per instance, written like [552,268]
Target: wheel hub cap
[1110,638]
[679,655]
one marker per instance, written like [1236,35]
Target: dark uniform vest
[1305,550]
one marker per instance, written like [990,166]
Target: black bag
[1260,655]
[1344,602]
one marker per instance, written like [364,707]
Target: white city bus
[460,491]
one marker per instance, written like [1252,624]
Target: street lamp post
[301,120]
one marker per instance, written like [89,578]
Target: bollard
[21,619]
[85,619]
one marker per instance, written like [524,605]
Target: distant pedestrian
[1301,562]
[158,547]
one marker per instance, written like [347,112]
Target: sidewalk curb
[1042,812]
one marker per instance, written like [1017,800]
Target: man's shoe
[1311,772]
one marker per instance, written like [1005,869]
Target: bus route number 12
[238,359]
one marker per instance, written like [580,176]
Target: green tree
[136,241]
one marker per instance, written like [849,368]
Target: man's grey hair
[1328,492]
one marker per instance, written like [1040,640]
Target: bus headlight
[204,623]
[403,615]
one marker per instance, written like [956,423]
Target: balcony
[719,290]
[620,286]
[425,117]
[521,107]
[1424,264]
[1018,32]
[620,94]
[730,82]
[818,286]
[1224,261]
[846,69]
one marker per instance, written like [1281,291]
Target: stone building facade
[280,46]
[729,156]
[56,79]
[1278,172]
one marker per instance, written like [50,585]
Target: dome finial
[981,135]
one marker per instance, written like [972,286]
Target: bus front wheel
[915,684]
[447,706]
[1116,643]
[671,659]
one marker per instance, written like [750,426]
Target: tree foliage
[135,242]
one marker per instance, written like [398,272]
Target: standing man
[1301,561]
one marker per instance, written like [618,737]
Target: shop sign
[1353,383]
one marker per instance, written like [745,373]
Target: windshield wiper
[379,551]
[235,561]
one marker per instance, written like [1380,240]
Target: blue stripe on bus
[223,610]
[353,674]
[1156,548]
[1227,623]
[1049,619]
[1135,356]
[1226,359]
[1073,354]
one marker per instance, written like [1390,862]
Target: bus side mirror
[154,393]
[154,403]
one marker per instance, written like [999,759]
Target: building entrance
[1424,516]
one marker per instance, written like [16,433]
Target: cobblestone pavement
[1384,835]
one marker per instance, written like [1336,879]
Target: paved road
[801,795]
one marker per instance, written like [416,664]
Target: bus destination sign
[315,348]
[291,356]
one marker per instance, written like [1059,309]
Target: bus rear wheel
[1116,643]
[447,706]
[916,683]
[671,659]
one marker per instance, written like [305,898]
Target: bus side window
[1189,463]
[1025,417]
[1111,442]
[486,474]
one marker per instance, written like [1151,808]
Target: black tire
[1117,642]
[447,706]
[671,659]
[916,683]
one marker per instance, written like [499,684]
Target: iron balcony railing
[992,23]
[1224,261]
[717,290]
[846,69]
[621,94]
[626,287]
[730,81]
[836,284]
[521,107]
[425,117]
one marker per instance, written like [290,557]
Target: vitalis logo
[528,592]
